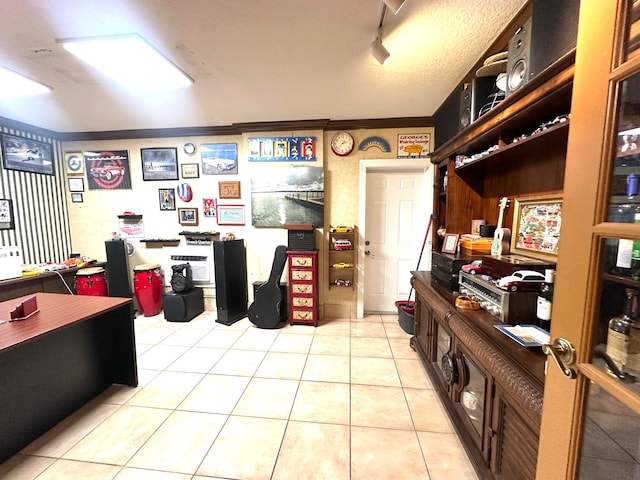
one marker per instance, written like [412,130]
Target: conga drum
[147,284]
[91,281]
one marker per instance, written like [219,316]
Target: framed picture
[536,226]
[219,158]
[188,216]
[450,244]
[159,163]
[76,197]
[230,214]
[229,189]
[190,170]
[76,184]
[74,162]
[27,155]
[6,215]
[167,198]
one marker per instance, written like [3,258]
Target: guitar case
[264,312]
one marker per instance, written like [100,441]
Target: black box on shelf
[301,237]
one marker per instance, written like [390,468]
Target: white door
[396,219]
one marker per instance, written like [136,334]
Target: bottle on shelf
[635,250]
[545,300]
[622,328]
[623,257]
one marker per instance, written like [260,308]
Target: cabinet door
[589,423]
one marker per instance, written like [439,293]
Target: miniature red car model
[473,267]
[342,244]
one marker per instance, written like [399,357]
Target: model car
[341,229]
[522,280]
[342,244]
[341,282]
[473,267]
[342,265]
[107,171]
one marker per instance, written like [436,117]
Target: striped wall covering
[39,208]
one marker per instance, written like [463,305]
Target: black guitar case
[264,312]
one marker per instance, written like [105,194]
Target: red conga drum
[91,281]
[147,284]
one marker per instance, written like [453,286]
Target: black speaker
[230,266]
[182,278]
[117,268]
[474,95]
[446,120]
[183,306]
[519,57]
[547,36]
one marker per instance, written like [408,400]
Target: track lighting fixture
[394,5]
[378,51]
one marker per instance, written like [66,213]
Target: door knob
[563,354]
[369,254]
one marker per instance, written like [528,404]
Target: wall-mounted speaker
[446,120]
[474,95]
[518,60]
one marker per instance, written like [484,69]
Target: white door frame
[393,165]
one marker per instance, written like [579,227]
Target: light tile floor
[346,400]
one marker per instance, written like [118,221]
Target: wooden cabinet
[491,387]
[342,258]
[303,287]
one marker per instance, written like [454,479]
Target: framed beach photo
[159,163]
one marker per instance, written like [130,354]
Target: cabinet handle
[563,354]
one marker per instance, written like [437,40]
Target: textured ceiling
[252,60]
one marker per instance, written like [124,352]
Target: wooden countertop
[57,311]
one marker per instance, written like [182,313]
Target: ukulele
[502,236]
[264,312]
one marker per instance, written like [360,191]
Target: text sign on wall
[414,145]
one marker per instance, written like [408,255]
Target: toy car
[342,282]
[341,265]
[473,267]
[522,280]
[342,244]
[341,229]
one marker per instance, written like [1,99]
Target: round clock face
[342,144]
[189,148]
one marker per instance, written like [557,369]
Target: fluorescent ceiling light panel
[13,84]
[130,60]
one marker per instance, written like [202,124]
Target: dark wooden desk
[55,361]
[43,282]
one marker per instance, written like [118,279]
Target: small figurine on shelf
[229,236]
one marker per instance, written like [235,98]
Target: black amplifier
[445,268]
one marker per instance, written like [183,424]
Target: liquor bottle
[623,257]
[635,250]
[545,300]
[620,329]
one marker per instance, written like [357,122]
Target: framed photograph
[27,155]
[74,162]
[167,198]
[159,163]
[229,189]
[76,184]
[190,170]
[536,226]
[230,214]
[6,214]
[188,216]
[219,158]
[450,244]
[76,197]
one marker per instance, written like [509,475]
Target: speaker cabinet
[183,306]
[118,279]
[230,266]
[519,57]
[446,120]
[474,95]
[547,36]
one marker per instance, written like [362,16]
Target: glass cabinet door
[591,410]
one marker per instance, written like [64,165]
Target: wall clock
[342,144]
[189,148]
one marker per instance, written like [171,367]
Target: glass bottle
[545,300]
[619,345]
[623,257]
[635,250]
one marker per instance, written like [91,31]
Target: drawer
[299,314]
[302,302]
[301,261]
[302,275]
[304,288]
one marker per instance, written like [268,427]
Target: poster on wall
[282,149]
[219,158]
[27,155]
[107,170]
[282,195]
[414,145]
[74,163]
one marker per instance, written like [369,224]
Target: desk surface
[56,311]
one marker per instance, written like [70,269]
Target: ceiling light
[130,60]
[13,84]
[378,51]
[394,5]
